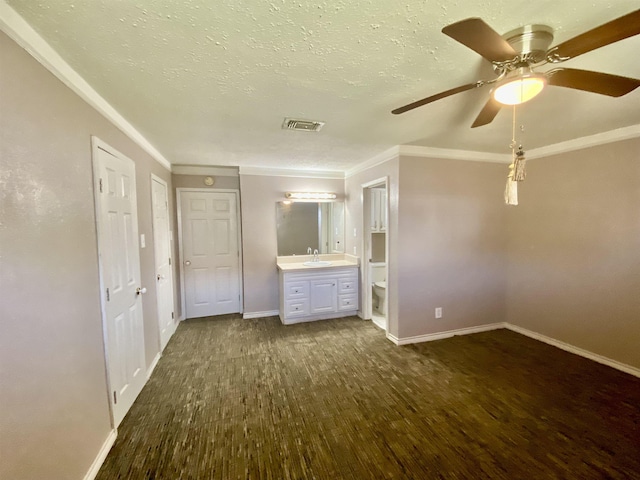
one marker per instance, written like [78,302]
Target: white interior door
[210,253]
[162,248]
[117,224]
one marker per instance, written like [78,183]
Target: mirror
[303,225]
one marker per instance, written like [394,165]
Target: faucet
[315,256]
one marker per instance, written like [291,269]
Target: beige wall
[55,415]
[446,242]
[259,246]
[354,211]
[197,181]
[451,244]
[574,250]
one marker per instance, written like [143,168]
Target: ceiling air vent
[303,125]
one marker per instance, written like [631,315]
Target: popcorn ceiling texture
[210,82]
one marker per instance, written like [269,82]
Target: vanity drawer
[296,290]
[294,308]
[347,302]
[347,285]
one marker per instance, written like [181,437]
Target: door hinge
[108,296]
[115,400]
[172,317]
[100,182]
[169,260]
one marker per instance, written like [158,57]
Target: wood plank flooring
[254,399]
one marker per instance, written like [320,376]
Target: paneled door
[119,257]
[162,248]
[210,252]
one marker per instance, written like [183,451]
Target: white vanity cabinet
[378,209]
[318,293]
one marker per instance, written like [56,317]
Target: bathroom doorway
[375,251]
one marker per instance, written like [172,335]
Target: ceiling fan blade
[438,96]
[481,38]
[596,82]
[611,32]
[488,113]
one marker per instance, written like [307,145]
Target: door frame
[96,145]
[183,305]
[173,283]
[366,247]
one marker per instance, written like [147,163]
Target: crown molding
[603,138]
[289,172]
[378,159]
[24,35]
[451,154]
[205,170]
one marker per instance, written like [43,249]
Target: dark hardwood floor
[253,399]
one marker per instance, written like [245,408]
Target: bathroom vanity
[318,290]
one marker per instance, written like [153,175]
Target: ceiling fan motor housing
[530,41]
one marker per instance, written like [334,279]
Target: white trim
[451,154]
[183,307]
[102,455]
[378,159]
[288,172]
[267,313]
[576,350]
[25,36]
[205,170]
[603,138]
[429,337]
[152,367]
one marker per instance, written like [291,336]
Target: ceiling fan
[516,54]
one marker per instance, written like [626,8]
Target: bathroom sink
[320,263]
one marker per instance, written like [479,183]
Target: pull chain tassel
[519,172]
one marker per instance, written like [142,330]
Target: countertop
[296,262]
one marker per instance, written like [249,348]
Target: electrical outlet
[439,312]
[355,250]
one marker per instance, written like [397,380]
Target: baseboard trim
[576,350]
[153,365]
[267,313]
[430,337]
[102,455]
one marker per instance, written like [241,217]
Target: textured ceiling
[211,82]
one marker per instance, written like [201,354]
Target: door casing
[367,295]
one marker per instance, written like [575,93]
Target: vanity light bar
[310,196]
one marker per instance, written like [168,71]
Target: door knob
[160,277]
[187,263]
[140,291]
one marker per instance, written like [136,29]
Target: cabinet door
[382,210]
[375,209]
[324,296]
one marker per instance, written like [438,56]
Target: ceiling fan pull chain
[511,189]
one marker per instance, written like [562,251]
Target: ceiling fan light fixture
[520,87]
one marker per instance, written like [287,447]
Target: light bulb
[519,88]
